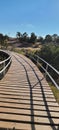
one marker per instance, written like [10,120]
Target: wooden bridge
[26,100]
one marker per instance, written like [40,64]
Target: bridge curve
[26,100]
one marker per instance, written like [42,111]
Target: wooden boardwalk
[26,100]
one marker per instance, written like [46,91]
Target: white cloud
[30,25]
[27,25]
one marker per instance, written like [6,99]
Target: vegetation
[50,39]
[51,54]
[4,40]
[20,51]
[55,91]
[24,40]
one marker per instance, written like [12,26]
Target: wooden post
[46,70]
[4,67]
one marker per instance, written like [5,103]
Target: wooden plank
[26,100]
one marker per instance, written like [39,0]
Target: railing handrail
[1,62]
[4,61]
[5,67]
[48,64]
[46,69]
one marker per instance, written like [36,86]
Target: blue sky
[39,16]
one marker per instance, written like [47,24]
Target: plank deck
[26,100]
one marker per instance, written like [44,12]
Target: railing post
[37,61]
[46,73]
[4,67]
[46,70]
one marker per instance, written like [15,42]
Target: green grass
[55,92]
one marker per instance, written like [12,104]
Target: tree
[4,40]
[33,38]
[1,39]
[25,35]
[54,37]
[48,38]
[6,37]
[57,40]
[40,39]
[18,35]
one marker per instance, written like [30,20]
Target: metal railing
[37,59]
[5,63]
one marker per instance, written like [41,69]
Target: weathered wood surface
[26,100]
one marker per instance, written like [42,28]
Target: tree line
[33,38]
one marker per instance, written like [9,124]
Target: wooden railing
[4,64]
[40,62]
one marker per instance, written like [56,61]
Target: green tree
[57,40]
[6,37]
[33,38]
[54,37]
[48,38]
[25,36]
[40,39]
[18,35]
[1,39]
[4,40]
